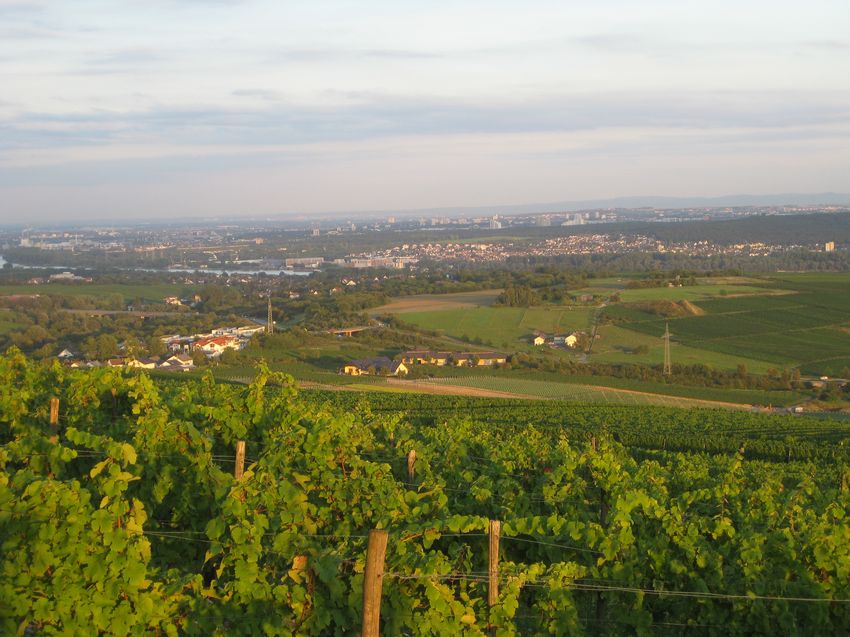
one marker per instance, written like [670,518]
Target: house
[418,357]
[177,363]
[380,365]
[487,359]
[458,359]
[172,300]
[141,363]
[440,359]
[216,345]
[539,340]
[65,354]
[571,340]
[115,362]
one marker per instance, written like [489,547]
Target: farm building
[380,365]
[457,359]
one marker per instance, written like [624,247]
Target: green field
[503,326]
[807,326]
[779,321]
[7,326]
[152,292]
[567,391]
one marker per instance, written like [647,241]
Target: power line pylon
[668,365]
[269,320]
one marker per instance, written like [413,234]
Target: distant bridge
[349,331]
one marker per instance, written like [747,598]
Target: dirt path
[458,390]
[698,401]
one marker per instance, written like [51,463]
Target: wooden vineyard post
[411,465]
[54,420]
[493,564]
[373,580]
[239,469]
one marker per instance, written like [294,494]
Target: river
[163,270]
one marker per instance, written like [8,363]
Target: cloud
[127,57]
[373,116]
[829,45]
[259,93]
[336,55]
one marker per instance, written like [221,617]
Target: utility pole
[668,365]
[270,320]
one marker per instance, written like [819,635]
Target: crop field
[806,326]
[569,392]
[692,293]
[780,321]
[438,302]
[154,292]
[7,326]
[618,344]
[503,326]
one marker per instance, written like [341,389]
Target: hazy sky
[160,108]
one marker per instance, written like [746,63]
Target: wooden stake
[493,567]
[373,580]
[54,420]
[411,465]
[239,469]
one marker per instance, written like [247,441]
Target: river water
[165,270]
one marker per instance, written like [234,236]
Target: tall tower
[668,365]
[269,320]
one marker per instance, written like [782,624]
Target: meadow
[508,327]
[778,321]
[151,292]
[808,325]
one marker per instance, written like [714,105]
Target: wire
[556,545]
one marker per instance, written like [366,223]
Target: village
[181,350]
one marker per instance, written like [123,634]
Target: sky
[155,109]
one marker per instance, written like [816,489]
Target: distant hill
[804,229]
[787,199]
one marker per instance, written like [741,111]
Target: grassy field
[693,293]
[7,326]
[617,345]
[808,325]
[568,391]
[503,326]
[762,322]
[148,292]
[437,302]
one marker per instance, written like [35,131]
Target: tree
[156,347]
[105,346]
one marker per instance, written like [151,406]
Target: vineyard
[191,507]
[555,390]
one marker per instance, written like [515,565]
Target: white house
[216,345]
[178,362]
